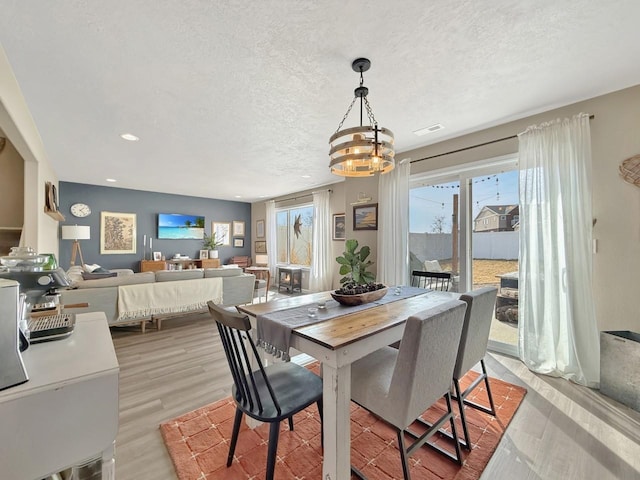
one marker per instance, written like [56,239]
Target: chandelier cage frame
[365,150]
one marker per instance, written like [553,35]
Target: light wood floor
[561,431]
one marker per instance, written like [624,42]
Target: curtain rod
[302,196]
[591,117]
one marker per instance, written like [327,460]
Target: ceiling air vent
[431,129]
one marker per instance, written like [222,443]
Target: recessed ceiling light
[306,176]
[238,196]
[130,137]
[431,129]
[262,196]
[111,180]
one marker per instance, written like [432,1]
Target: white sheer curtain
[558,334]
[272,229]
[322,263]
[393,225]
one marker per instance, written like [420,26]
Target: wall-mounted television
[174,226]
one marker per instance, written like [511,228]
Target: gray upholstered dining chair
[268,394]
[472,349]
[398,385]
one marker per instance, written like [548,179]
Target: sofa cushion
[172,275]
[222,272]
[145,277]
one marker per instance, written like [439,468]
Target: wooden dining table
[337,343]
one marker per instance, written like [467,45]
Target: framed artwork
[365,217]
[261,246]
[259,228]
[117,233]
[339,226]
[157,256]
[204,254]
[238,229]
[223,232]
[238,242]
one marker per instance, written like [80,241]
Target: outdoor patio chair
[399,385]
[433,280]
[268,394]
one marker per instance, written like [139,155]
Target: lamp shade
[76,232]
[262,260]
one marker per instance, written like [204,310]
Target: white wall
[40,230]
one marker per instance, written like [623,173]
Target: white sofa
[103,294]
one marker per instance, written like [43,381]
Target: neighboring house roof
[495,210]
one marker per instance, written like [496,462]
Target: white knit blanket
[147,299]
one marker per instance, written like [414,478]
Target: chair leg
[463,418]
[274,430]
[453,429]
[319,403]
[234,436]
[291,424]
[403,455]
[486,383]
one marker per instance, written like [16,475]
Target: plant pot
[213,253]
[360,298]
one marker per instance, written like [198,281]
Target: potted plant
[358,284]
[212,243]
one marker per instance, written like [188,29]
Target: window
[294,239]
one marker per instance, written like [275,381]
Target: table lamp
[75,233]
[262,260]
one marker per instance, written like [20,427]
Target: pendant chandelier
[365,150]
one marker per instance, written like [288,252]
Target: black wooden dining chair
[268,394]
[432,280]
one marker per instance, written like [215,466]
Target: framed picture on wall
[117,233]
[238,242]
[339,226]
[238,229]
[259,228]
[223,232]
[365,217]
[261,247]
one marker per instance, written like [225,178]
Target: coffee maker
[12,371]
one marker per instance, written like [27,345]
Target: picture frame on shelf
[117,233]
[365,217]
[261,246]
[339,226]
[238,242]
[223,232]
[157,256]
[204,254]
[238,229]
[259,228]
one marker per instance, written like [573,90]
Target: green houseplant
[211,243]
[353,265]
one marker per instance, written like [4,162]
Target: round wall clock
[80,210]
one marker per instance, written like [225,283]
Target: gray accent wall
[146,206]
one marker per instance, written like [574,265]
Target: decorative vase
[213,253]
[360,298]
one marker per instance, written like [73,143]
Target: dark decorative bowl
[360,298]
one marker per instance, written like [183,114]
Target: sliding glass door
[468,221]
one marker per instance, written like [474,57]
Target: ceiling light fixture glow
[306,176]
[130,137]
[112,180]
[365,150]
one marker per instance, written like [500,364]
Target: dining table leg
[336,395]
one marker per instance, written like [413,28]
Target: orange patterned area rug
[198,442]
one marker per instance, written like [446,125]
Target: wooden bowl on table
[360,298]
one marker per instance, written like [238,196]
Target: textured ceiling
[239,98]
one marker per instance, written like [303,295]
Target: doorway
[467,220]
